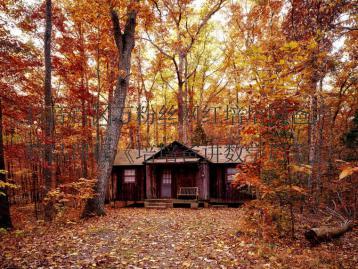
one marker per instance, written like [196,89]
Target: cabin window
[230,174]
[167,177]
[129,176]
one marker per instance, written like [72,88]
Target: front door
[166,184]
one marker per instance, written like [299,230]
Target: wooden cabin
[177,174]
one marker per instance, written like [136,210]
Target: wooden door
[186,175]
[166,184]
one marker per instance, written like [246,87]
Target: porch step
[156,206]
[159,200]
[164,205]
[219,206]
[158,203]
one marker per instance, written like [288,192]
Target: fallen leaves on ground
[171,238]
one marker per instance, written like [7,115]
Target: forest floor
[170,238]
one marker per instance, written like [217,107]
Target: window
[167,177]
[230,174]
[129,176]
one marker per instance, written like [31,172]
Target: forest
[99,98]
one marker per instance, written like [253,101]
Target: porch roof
[174,160]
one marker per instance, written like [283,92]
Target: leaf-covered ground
[171,238]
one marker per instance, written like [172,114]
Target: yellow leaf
[298,189]
[293,44]
[347,172]
[301,168]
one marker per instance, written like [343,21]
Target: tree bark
[49,124]
[312,140]
[84,94]
[180,99]
[324,233]
[125,45]
[5,218]
[98,102]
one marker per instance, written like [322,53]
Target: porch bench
[188,192]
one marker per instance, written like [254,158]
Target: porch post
[206,181]
[203,181]
[148,180]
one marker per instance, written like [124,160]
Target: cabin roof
[175,152]
[225,154]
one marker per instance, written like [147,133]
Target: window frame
[230,175]
[129,178]
[167,176]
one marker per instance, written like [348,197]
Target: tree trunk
[141,89]
[5,219]
[49,124]
[180,100]
[312,141]
[165,118]
[98,75]
[98,104]
[125,45]
[156,126]
[84,94]
[180,113]
[148,123]
[320,125]
[324,233]
[139,125]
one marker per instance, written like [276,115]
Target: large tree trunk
[84,94]
[98,101]
[125,45]
[324,233]
[49,120]
[5,219]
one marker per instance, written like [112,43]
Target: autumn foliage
[278,78]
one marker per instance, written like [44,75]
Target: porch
[174,168]
[164,181]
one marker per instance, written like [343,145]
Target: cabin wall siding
[209,177]
[202,181]
[216,181]
[130,191]
[149,182]
[220,188]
